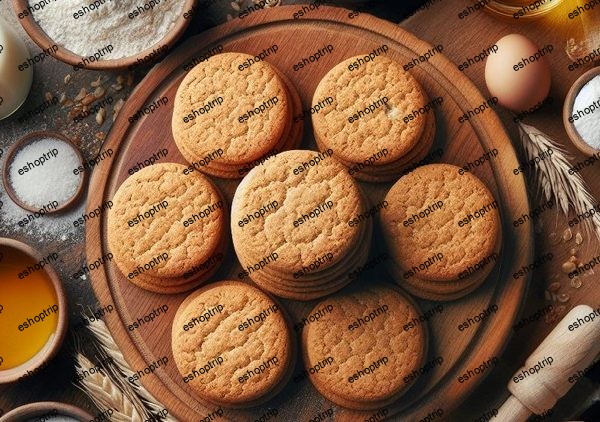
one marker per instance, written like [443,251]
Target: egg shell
[523,88]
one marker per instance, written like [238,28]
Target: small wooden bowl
[50,349]
[34,410]
[568,112]
[42,39]
[27,139]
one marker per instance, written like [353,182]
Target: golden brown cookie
[290,213]
[371,121]
[225,118]
[359,348]
[438,225]
[232,344]
[389,172]
[167,230]
[303,288]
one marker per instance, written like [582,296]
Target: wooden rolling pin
[552,369]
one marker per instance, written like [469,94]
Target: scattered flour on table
[47,228]
[101,23]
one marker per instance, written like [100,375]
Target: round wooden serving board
[461,143]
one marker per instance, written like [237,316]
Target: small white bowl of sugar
[581,112]
[44,172]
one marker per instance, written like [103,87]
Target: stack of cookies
[232,344]
[442,229]
[230,116]
[167,229]
[363,354]
[290,222]
[375,117]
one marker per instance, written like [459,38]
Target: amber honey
[28,308]
[522,9]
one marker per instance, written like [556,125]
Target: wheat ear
[105,394]
[110,348]
[568,191]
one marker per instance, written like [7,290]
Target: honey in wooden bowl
[32,304]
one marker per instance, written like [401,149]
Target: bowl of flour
[104,34]
[581,112]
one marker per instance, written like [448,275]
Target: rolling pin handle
[546,375]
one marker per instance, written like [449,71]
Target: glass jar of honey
[521,9]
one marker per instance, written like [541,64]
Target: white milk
[14,83]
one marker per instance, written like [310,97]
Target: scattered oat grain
[568,267]
[81,95]
[88,99]
[96,83]
[100,116]
[99,92]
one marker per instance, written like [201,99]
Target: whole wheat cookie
[439,224]
[293,212]
[225,118]
[232,344]
[360,348]
[391,171]
[167,229]
[334,278]
[370,118]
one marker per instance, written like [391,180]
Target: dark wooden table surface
[57,234]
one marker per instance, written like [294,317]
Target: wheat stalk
[568,191]
[105,394]
[109,348]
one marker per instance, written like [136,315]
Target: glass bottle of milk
[14,83]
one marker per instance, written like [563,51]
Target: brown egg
[519,73]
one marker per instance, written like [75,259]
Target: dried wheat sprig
[105,394]
[568,191]
[121,382]
[102,335]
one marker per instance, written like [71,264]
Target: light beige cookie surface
[307,199]
[366,350]
[439,222]
[232,344]
[218,107]
[166,223]
[368,110]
